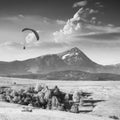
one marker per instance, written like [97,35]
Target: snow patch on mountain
[69,54]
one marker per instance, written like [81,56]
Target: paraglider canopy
[34,32]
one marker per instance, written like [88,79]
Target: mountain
[73,59]
[70,60]
[77,60]
[71,75]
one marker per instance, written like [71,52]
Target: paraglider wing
[34,31]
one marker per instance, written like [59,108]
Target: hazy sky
[91,25]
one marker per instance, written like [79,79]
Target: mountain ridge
[72,59]
[70,75]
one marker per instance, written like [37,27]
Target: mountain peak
[75,50]
[75,56]
[71,52]
[72,56]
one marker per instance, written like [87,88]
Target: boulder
[55,102]
[76,96]
[74,108]
[38,87]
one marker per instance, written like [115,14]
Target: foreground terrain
[109,91]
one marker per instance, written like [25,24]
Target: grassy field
[66,85]
[109,91]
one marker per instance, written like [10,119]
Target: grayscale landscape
[59,60]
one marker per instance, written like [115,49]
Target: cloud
[36,45]
[70,26]
[31,37]
[29,41]
[49,45]
[102,28]
[93,20]
[12,45]
[98,4]
[21,16]
[103,33]
[84,25]
[60,22]
[80,27]
[80,4]
[75,23]
[80,21]
[110,36]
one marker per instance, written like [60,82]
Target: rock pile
[43,97]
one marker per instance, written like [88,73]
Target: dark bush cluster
[43,97]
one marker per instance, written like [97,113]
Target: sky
[91,25]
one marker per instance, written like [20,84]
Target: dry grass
[105,90]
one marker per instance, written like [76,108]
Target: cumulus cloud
[93,20]
[84,21]
[70,26]
[74,24]
[60,22]
[30,37]
[110,36]
[80,4]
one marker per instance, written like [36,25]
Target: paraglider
[24,47]
[34,33]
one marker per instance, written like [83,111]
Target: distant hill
[71,60]
[70,75]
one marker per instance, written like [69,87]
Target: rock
[76,96]
[45,89]
[38,87]
[55,102]
[60,107]
[2,97]
[48,95]
[85,109]
[14,93]
[15,99]
[27,109]
[67,97]
[29,89]
[56,91]
[49,104]
[74,108]
[8,98]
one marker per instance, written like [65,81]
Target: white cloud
[99,4]
[70,26]
[30,37]
[21,16]
[6,44]
[11,45]
[73,24]
[103,28]
[93,20]
[93,11]
[83,22]
[60,22]
[80,4]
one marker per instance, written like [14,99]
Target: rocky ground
[108,91]
[13,112]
